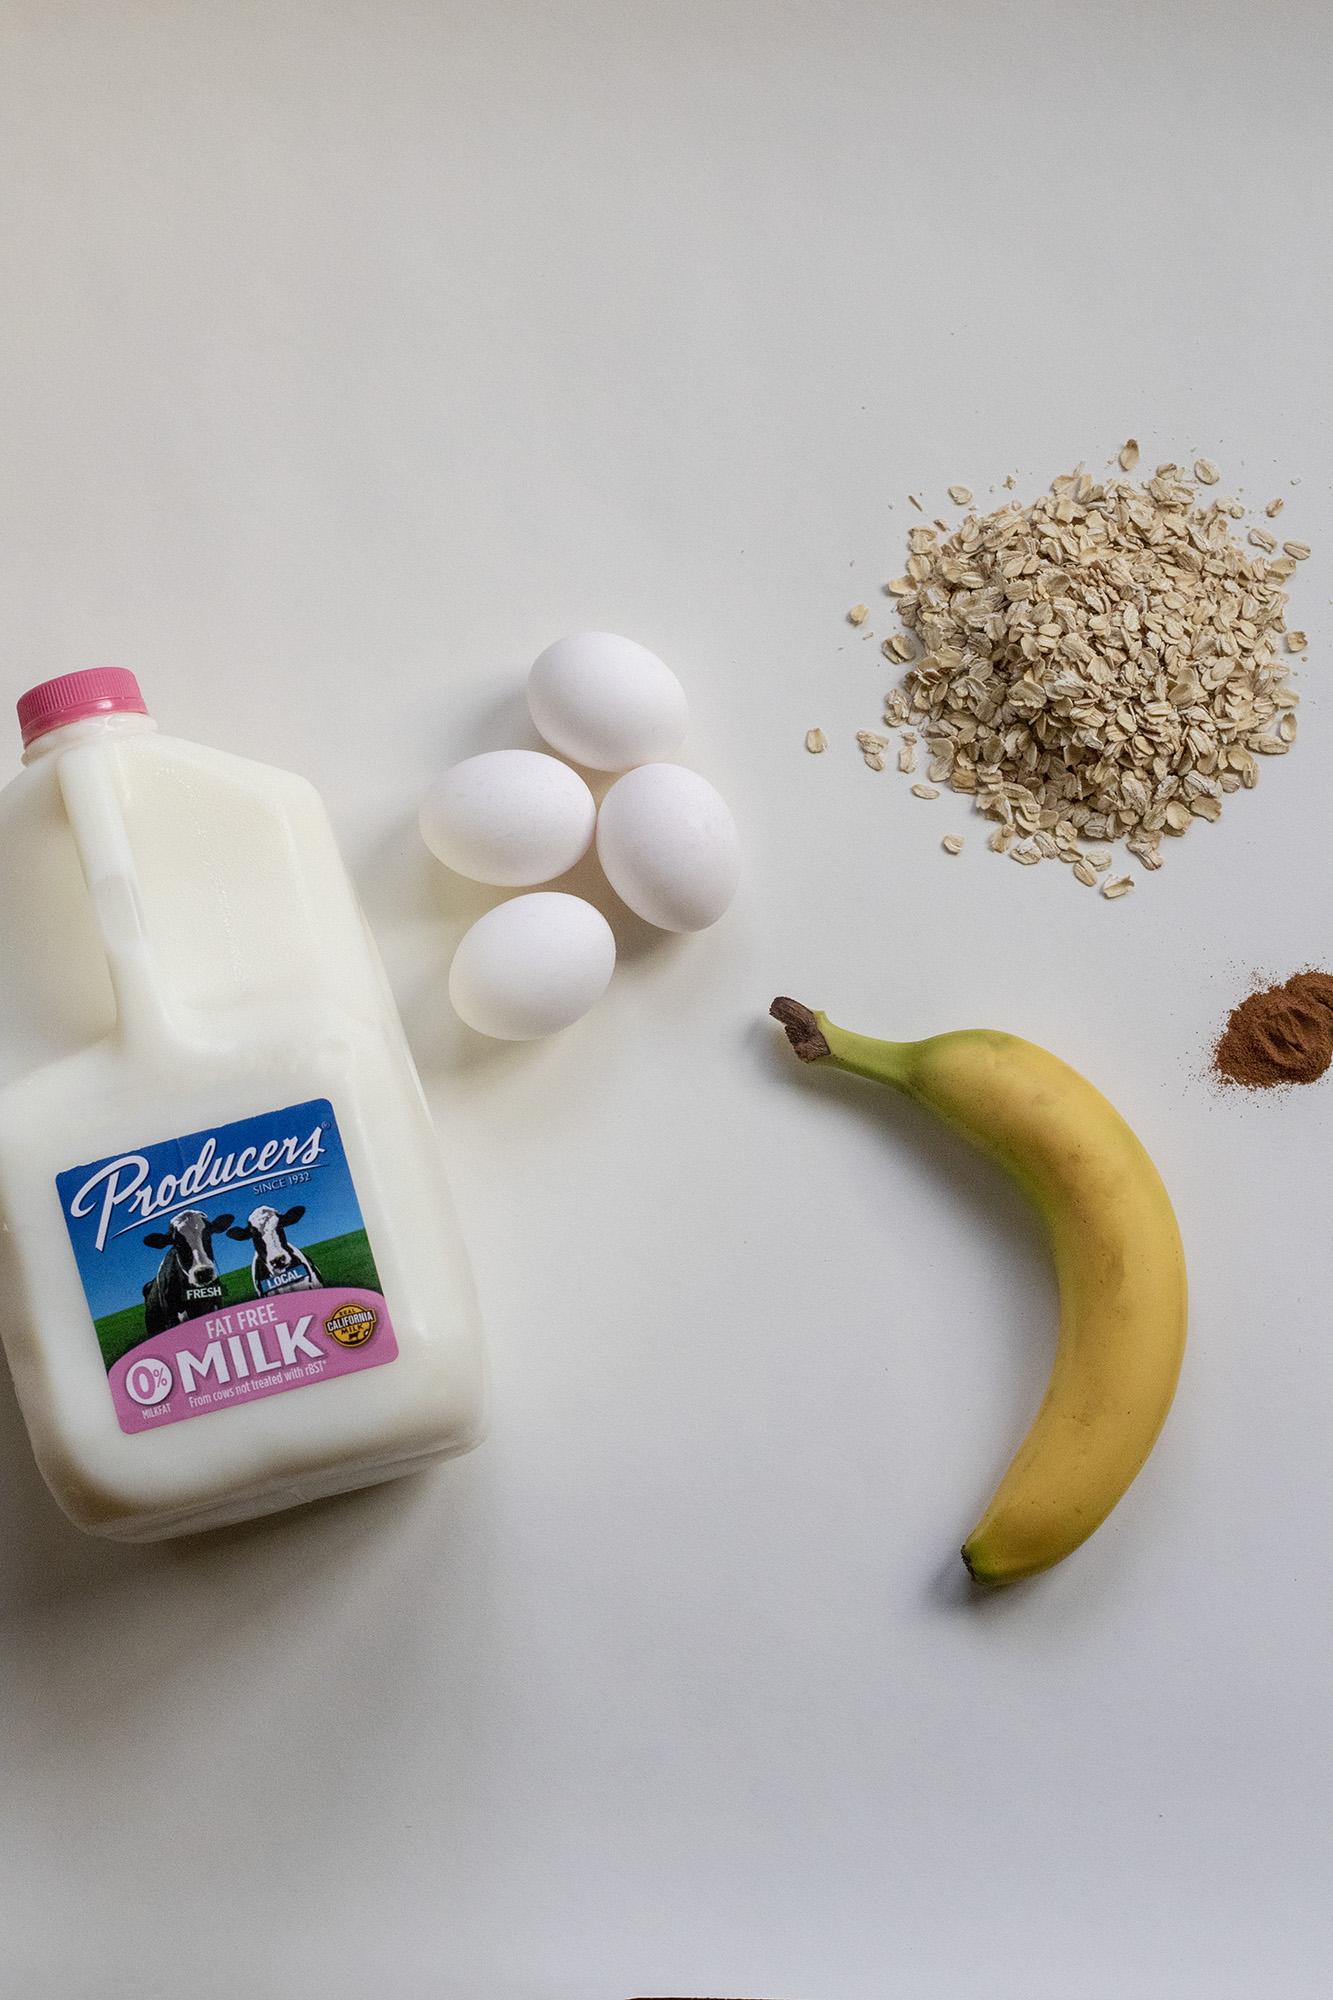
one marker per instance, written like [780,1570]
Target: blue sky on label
[114,1276]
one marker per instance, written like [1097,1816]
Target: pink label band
[288,1340]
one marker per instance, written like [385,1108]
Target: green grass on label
[341,1260]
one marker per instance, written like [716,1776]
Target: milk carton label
[229,1264]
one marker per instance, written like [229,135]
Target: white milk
[184,955]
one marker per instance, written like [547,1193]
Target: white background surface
[350,354]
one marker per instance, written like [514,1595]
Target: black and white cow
[277,1263]
[187,1267]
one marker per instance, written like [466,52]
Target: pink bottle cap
[74,697]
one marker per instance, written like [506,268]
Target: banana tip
[980,1577]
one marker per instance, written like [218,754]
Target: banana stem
[815,1039]
[802,1025]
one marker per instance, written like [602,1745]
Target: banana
[1118,1257]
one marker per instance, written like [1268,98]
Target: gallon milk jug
[230,1275]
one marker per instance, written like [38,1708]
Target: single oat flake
[924,792]
[961,496]
[815,741]
[1274,507]
[1119,885]
[1129,454]
[1206,472]
[1295,642]
[952,843]
[858,614]
[1298,551]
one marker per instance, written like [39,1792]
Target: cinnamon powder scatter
[1282,1035]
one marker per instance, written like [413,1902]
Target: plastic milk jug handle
[88,775]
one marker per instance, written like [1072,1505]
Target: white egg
[531,966]
[511,817]
[607,702]
[669,847]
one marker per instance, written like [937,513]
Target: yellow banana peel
[1118,1258]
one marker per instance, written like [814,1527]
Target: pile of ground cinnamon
[1282,1035]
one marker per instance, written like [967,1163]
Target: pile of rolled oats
[1099,665]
